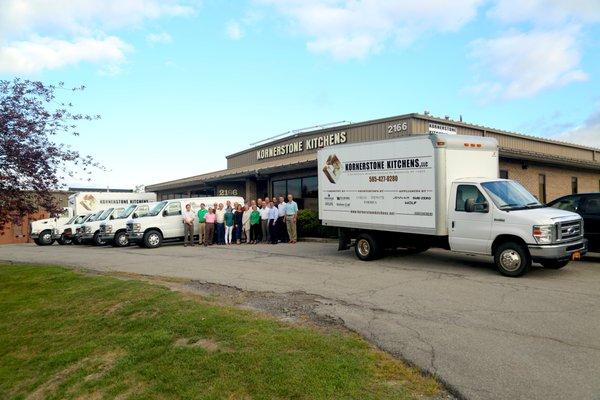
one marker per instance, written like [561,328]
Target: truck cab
[43,231]
[164,221]
[499,217]
[114,231]
[91,229]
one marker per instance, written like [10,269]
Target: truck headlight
[137,227]
[543,234]
[108,229]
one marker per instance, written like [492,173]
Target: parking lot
[486,336]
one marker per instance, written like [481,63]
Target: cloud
[37,34]
[234,30]
[545,12]
[354,29]
[81,17]
[588,134]
[521,64]
[46,53]
[162,37]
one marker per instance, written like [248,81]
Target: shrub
[309,225]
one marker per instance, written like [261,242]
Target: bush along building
[547,168]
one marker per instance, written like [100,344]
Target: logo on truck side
[332,168]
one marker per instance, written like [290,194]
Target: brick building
[547,168]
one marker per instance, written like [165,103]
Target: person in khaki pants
[291,214]
[202,224]
[188,225]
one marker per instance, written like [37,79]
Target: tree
[32,162]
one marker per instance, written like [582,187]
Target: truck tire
[512,259]
[45,238]
[96,240]
[63,240]
[37,241]
[366,247]
[121,240]
[554,264]
[152,239]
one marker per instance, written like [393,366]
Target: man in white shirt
[220,224]
[188,226]
[281,229]
[264,223]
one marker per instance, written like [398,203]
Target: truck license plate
[576,255]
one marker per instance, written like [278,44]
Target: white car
[114,231]
[164,221]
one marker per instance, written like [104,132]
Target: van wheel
[366,247]
[121,240]
[63,240]
[152,239]
[97,240]
[45,238]
[554,264]
[512,259]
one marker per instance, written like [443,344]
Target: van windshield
[126,212]
[105,214]
[156,209]
[71,220]
[80,219]
[509,195]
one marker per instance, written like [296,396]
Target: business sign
[389,183]
[440,128]
[301,145]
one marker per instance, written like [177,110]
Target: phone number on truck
[384,178]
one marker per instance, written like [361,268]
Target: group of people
[258,221]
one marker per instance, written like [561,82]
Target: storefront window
[294,187]
[279,188]
[310,187]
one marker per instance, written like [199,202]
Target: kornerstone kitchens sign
[301,145]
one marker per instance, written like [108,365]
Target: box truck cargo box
[440,191]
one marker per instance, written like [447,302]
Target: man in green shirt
[202,225]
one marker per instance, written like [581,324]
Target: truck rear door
[469,232]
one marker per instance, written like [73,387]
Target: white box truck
[443,191]
[44,232]
[165,222]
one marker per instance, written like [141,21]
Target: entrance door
[469,231]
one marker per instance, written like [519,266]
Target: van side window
[464,192]
[142,210]
[174,208]
[592,205]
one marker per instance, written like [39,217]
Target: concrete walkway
[486,336]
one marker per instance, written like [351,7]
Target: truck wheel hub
[510,260]
[153,239]
[364,247]
[123,240]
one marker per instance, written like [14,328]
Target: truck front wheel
[45,238]
[512,259]
[554,264]
[152,239]
[121,240]
[366,247]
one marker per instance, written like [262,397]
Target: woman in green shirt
[229,220]
[254,225]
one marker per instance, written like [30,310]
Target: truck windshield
[126,212]
[156,209]
[80,219]
[105,214]
[71,220]
[509,195]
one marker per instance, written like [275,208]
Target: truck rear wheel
[366,247]
[554,264]
[512,259]
[152,239]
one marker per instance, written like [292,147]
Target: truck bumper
[35,235]
[135,237]
[107,237]
[563,251]
[87,236]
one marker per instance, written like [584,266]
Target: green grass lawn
[65,334]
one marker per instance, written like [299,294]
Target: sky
[180,84]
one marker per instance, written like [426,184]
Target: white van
[114,230]
[164,221]
[66,235]
[91,229]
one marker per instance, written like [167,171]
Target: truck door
[172,223]
[469,229]
[590,211]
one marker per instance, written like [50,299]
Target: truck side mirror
[472,206]
[165,213]
[134,216]
[112,217]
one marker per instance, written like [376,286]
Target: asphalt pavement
[486,336]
